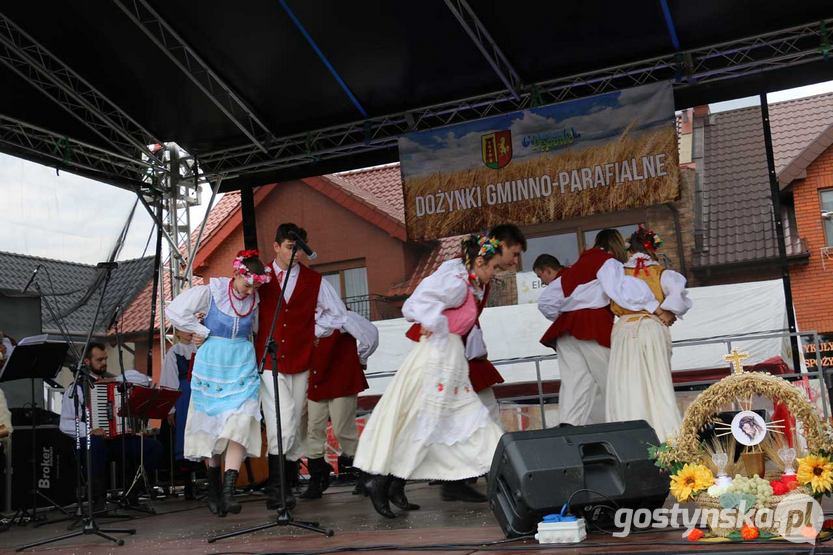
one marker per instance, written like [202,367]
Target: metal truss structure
[192,65]
[40,68]
[777,50]
[487,45]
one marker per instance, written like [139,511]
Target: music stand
[30,361]
[146,402]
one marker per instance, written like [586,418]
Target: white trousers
[292,393]
[342,412]
[583,368]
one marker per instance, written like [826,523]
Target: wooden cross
[734,358]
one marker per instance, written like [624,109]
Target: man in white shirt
[102,449]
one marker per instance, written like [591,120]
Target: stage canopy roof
[268,90]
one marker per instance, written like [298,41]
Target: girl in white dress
[224,411]
[639,373]
[430,424]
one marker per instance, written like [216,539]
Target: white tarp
[513,332]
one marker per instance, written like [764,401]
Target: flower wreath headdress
[251,277]
[649,240]
[488,246]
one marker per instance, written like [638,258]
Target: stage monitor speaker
[20,316]
[534,473]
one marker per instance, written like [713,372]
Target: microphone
[32,278]
[303,246]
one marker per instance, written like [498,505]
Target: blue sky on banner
[595,119]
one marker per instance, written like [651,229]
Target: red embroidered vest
[295,329]
[589,324]
[336,370]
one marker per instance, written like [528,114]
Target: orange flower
[695,535]
[750,533]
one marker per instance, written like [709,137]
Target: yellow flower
[816,471]
[691,479]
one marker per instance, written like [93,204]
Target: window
[625,230]
[826,201]
[563,246]
[566,246]
[351,284]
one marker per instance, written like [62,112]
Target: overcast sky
[68,217]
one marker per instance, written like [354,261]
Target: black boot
[273,487]
[459,490]
[396,495]
[214,487]
[293,475]
[379,495]
[227,502]
[319,473]
[362,479]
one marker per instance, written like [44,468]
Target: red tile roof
[383,183]
[137,316]
[801,130]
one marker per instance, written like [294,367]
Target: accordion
[105,402]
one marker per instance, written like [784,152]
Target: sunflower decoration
[690,480]
[817,472]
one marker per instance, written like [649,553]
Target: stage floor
[181,527]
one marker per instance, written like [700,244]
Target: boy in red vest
[578,302]
[335,381]
[311,308]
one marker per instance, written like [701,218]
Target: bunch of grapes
[755,486]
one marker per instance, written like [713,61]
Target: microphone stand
[283,516]
[84,379]
[124,501]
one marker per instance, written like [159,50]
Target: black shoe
[379,495]
[459,490]
[214,487]
[273,487]
[227,502]
[319,478]
[362,480]
[396,495]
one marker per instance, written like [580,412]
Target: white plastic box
[570,531]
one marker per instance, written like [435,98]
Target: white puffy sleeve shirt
[676,295]
[611,284]
[366,334]
[446,288]
[182,311]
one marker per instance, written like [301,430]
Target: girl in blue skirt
[224,412]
